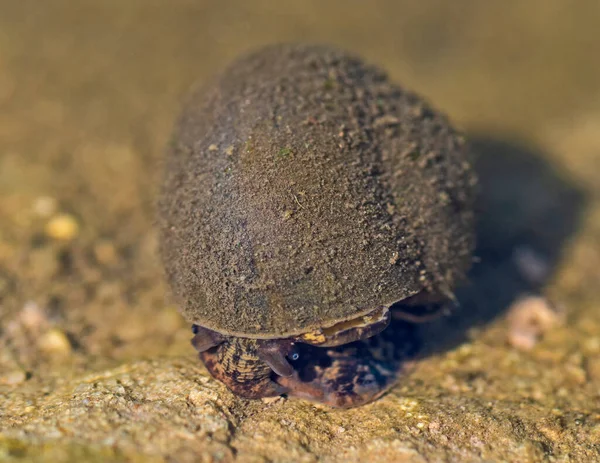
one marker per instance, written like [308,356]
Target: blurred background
[89,91]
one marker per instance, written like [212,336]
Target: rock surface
[95,362]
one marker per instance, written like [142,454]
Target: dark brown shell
[302,188]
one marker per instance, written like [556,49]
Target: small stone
[13,377]
[45,206]
[271,400]
[529,318]
[62,227]
[55,342]
[32,317]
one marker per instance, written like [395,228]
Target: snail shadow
[526,212]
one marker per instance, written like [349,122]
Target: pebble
[62,227]
[13,377]
[32,317]
[529,317]
[45,206]
[55,342]
[271,400]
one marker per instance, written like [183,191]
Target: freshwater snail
[304,194]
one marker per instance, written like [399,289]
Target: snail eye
[294,354]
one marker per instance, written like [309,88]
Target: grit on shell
[95,362]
